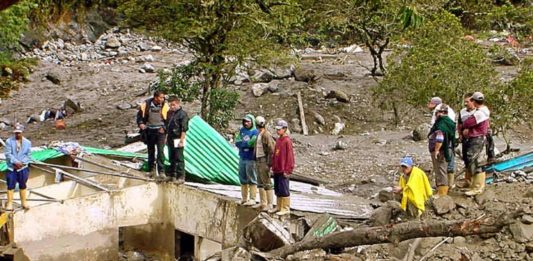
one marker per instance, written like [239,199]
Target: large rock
[340,145]
[421,132]
[72,106]
[521,232]
[486,196]
[263,76]
[443,205]
[339,126]
[259,89]
[112,42]
[266,233]
[273,86]
[383,215]
[338,95]
[305,74]
[53,77]
[148,68]
[282,73]
[318,118]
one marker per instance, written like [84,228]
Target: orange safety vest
[164,110]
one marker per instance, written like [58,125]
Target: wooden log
[302,114]
[400,232]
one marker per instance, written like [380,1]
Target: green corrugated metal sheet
[208,156]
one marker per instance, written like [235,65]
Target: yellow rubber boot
[270,199]
[244,194]
[252,190]
[285,208]
[262,199]
[9,204]
[451,180]
[479,185]
[23,199]
[442,190]
[278,206]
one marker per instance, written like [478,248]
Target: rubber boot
[252,190]
[468,180]
[9,204]
[442,190]
[278,206]
[244,194]
[479,185]
[285,208]
[262,200]
[23,199]
[270,199]
[451,180]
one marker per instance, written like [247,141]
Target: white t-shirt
[451,114]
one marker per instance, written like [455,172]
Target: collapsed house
[97,203]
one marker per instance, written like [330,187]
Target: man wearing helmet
[264,147]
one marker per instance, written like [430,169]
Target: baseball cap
[281,124]
[260,120]
[435,100]
[407,162]
[478,96]
[18,128]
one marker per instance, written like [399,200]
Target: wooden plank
[302,114]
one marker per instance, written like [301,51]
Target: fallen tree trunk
[400,232]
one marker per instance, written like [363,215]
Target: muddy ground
[369,162]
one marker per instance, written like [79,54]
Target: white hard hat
[260,120]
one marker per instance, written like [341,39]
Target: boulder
[318,118]
[486,196]
[340,145]
[527,219]
[521,232]
[72,106]
[144,47]
[266,233]
[259,89]
[338,95]
[112,42]
[53,77]
[148,58]
[305,74]
[262,76]
[420,133]
[148,68]
[273,86]
[443,205]
[282,73]
[124,106]
[339,126]
[384,214]
[156,48]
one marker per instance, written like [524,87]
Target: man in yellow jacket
[415,188]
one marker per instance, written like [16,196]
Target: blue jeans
[247,174]
[451,164]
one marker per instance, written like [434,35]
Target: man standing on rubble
[151,120]
[264,149]
[282,167]
[434,105]
[245,141]
[473,128]
[415,188]
[441,144]
[177,124]
[17,152]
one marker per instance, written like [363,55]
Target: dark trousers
[21,177]
[154,138]
[489,146]
[177,160]
[281,185]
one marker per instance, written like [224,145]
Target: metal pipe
[72,176]
[91,171]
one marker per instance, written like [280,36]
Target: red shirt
[283,156]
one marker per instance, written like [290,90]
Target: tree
[437,62]
[220,34]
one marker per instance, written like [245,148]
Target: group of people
[259,153]
[163,122]
[473,129]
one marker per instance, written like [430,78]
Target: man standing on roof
[415,188]
[473,127]
[17,152]
[441,143]
[245,141]
[177,124]
[282,166]
[151,120]
[435,105]
[264,149]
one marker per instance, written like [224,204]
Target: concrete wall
[86,227]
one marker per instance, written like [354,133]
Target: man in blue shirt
[17,152]
[245,141]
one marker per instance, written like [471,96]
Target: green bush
[181,82]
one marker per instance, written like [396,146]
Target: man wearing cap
[282,167]
[441,143]
[473,127]
[17,152]
[415,188]
[264,149]
[435,105]
[245,141]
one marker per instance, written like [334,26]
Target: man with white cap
[17,152]
[282,167]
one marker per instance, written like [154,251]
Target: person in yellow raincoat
[415,188]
